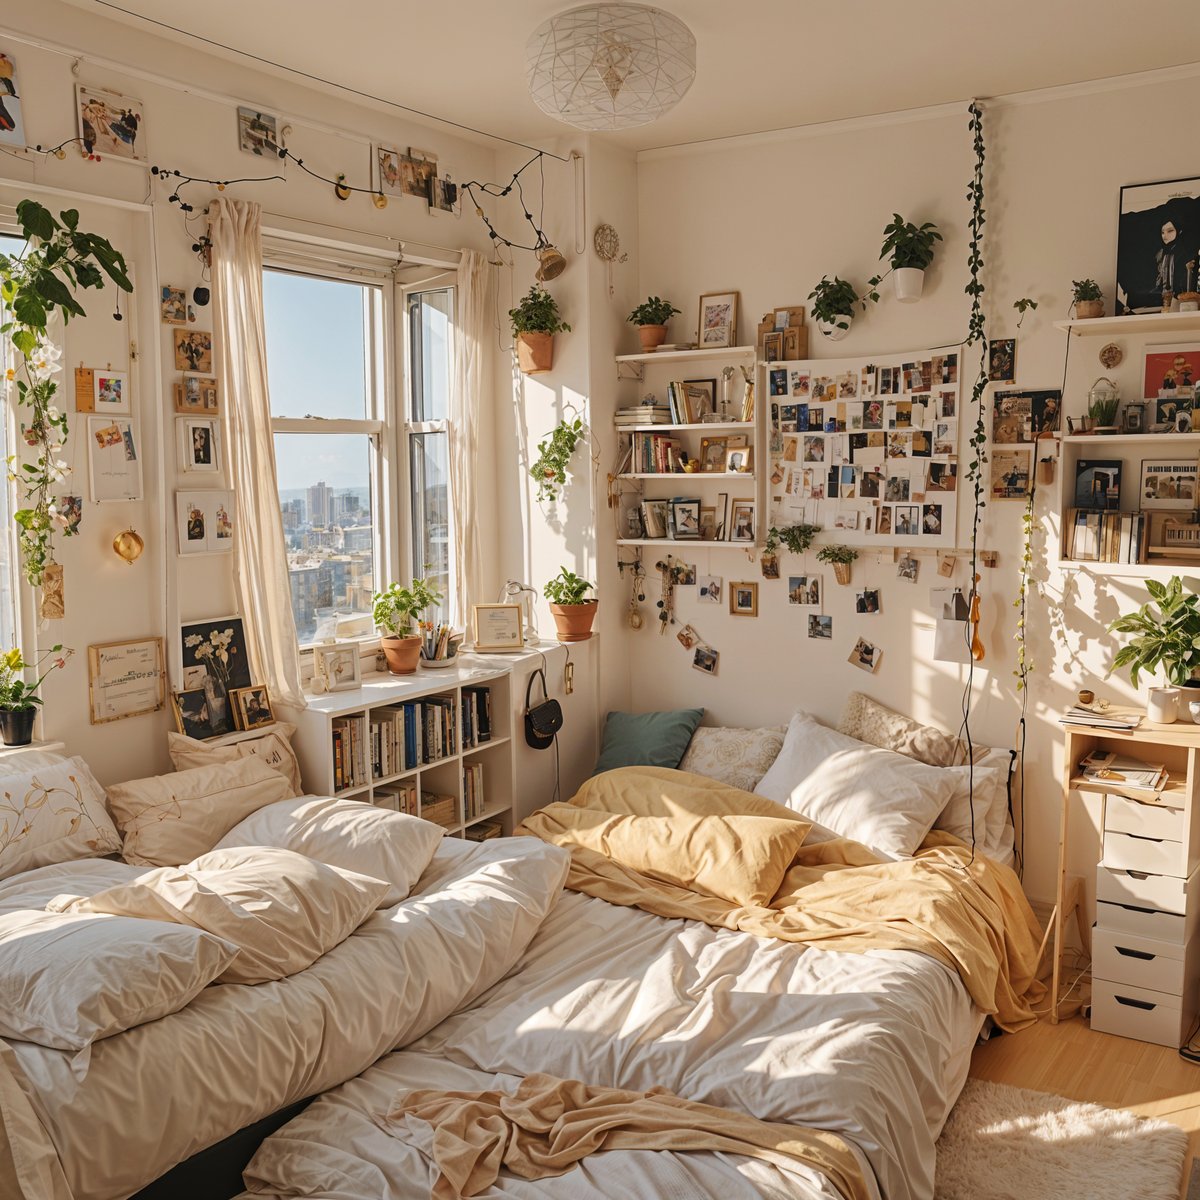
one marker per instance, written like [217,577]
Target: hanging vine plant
[554,452]
[58,259]
[797,538]
[1024,666]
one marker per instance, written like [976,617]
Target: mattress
[875,1046]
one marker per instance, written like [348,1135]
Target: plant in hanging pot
[1087,298]
[397,613]
[909,250]
[573,614]
[19,700]
[833,304]
[841,557]
[796,538]
[1167,639]
[554,452]
[535,321]
[651,318]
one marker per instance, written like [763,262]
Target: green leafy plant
[796,538]
[554,453]
[537,313]
[834,553]
[833,301]
[567,588]
[41,281]
[398,609]
[653,312]
[1104,410]
[1023,306]
[1086,289]
[1166,634]
[909,245]
[15,693]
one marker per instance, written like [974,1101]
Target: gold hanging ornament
[340,190]
[129,545]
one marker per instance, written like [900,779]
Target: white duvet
[115,1116]
[875,1046]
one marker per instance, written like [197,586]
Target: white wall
[769,216]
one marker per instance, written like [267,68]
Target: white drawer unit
[1143,922]
[1166,893]
[1140,1013]
[1144,962]
[1157,856]
[1144,820]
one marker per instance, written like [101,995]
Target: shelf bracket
[630,371]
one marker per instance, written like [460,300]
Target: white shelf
[688,475]
[1130,439]
[490,744]
[688,355]
[690,542]
[704,427]
[1137,323]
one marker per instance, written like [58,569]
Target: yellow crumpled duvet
[646,837]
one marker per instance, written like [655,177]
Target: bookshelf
[453,762]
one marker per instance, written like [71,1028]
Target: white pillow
[348,834]
[28,760]
[882,799]
[68,981]
[52,815]
[993,830]
[273,746]
[281,910]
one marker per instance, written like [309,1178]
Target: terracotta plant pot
[16,725]
[1086,310]
[909,283]
[402,654]
[652,336]
[574,621]
[535,352]
[841,572]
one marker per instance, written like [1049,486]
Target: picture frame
[1171,372]
[339,666]
[214,659]
[258,132]
[193,349]
[685,518]
[109,124]
[656,516]
[173,305]
[739,460]
[1002,360]
[496,628]
[389,172]
[743,598]
[12,133]
[252,707]
[742,520]
[1168,483]
[110,391]
[718,320]
[773,347]
[197,395]
[125,679]
[708,523]
[1156,238]
[114,467]
[193,717]
[712,455]
[700,396]
[791,343]
[199,444]
[204,521]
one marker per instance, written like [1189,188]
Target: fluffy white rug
[1006,1143]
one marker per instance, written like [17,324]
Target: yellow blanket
[971,916]
[547,1125]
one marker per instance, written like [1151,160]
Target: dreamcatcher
[607,243]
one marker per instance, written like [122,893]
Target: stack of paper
[1100,718]
[1102,767]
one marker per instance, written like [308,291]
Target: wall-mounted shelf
[700,427]
[1139,324]
[687,355]
[687,475]
[1158,440]
[690,542]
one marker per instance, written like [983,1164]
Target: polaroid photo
[820,627]
[804,591]
[258,132]
[866,656]
[706,659]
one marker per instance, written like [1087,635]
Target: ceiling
[761,64]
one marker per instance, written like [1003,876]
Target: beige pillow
[68,981]
[52,814]
[348,834]
[868,721]
[273,746]
[169,819]
[281,910]
[738,757]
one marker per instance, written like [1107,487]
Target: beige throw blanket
[548,1124]
[971,916]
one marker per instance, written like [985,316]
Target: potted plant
[651,318]
[554,452]
[397,612]
[573,615]
[1166,637]
[1103,402]
[535,321]
[910,248]
[832,308]
[797,538]
[841,557]
[19,700]
[1088,298]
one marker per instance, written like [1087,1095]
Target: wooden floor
[1071,1060]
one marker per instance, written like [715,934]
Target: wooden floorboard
[1070,1059]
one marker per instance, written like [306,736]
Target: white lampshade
[610,66]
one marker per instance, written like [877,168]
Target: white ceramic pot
[1194,710]
[1162,705]
[909,283]
[833,332]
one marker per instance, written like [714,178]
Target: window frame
[22,613]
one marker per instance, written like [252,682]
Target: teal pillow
[656,739]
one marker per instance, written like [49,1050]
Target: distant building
[320,504]
[358,539]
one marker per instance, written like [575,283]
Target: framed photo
[125,679]
[497,627]
[685,518]
[1171,372]
[1168,483]
[741,521]
[109,123]
[739,460]
[773,347]
[193,716]
[116,470]
[205,521]
[743,598]
[258,132]
[1002,360]
[700,397]
[193,350]
[252,707]
[656,516]
[389,171]
[217,651]
[111,393]
[712,454]
[12,130]
[1157,236]
[717,326]
[174,305]
[1010,474]
[197,395]
[199,444]
[708,523]
[338,665]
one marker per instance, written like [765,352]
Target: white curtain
[466,400]
[260,556]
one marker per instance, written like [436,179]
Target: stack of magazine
[1102,767]
[1100,718]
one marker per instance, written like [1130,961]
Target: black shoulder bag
[543,719]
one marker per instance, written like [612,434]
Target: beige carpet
[1006,1143]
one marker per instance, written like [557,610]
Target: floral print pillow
[738,757]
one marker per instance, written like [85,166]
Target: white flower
[52,412]
[43,362]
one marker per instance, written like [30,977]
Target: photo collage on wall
[1019,419]
[867,449]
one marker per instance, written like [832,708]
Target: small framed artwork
[708,523]
[116,469]
[773,347]
[214,660]
[685,518]
[109,124]
[717,325]
[1171,371]
[743,598]
[712,454]
[389,171]
[739,460]
[193,715]
[497,628]
[1156,239]
[1002,360]
[205,521]
[258,132]
[701,398]
[252,707]
[1168,483]
[338,665]
[199,444]
[174,305]
[111,391]
[197,394]
[741,521]
[193,350]
[125,679]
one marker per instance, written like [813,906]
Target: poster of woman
[1158,235]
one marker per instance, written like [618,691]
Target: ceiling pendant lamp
[610,66]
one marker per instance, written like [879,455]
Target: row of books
[1102,767]
[1116,537]
[440,808]
[402,797]
[473,802]
[1100,718]
[350,765]
[483,831]
[655,453]
[476,716]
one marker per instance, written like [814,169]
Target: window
[9,617]
[326,368]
